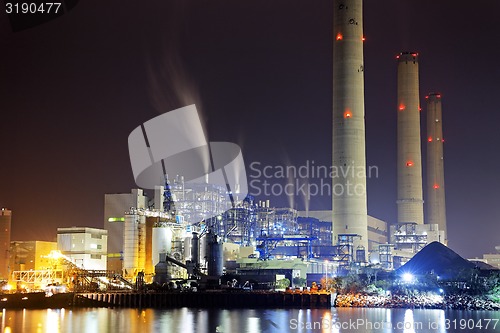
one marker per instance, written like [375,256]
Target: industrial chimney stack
[349,159]
[410,200]
[436,208]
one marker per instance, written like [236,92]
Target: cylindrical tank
[203,251]
[162,242]
[134,239]
[214,256]
[195,248]
[187,247]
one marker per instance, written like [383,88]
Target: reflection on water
[186,320]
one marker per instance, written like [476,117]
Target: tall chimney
[436,207]
[410,201]
[349,160]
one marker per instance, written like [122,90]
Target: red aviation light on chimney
[409,163]
[402,107]
[436,186]
[347,114]
[339,36]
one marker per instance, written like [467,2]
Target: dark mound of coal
[439,259]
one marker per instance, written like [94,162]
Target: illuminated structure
[436,206]
[31,255]
[5,222]
[493,259]
[349,188]
[84,247]
[410,200]
[318,223]
[115,206]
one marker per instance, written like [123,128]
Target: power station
[436,207]
[349,188]
[409,160]
[188,230]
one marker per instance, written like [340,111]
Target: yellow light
[55,254]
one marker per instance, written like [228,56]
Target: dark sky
[261,73]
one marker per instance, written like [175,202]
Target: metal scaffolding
[406,238]
[385,255]
[39,277]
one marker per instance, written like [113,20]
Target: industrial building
[251,231]
[5,224]
[115,206]
[85,247]
[182,228]
[377,230]
[31,255]
[493,259]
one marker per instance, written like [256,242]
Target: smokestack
[436,207]
[410,200]
[349,183]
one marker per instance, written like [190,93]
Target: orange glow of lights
[438,96]
[339,36]
[401,107]
[363,38]
[347,114]
[419,108]
[429,139]
[426,97]
[436,186]
[409,164]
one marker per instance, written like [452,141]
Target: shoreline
[426,301]
[210,299]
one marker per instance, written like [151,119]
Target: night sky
[260,72]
